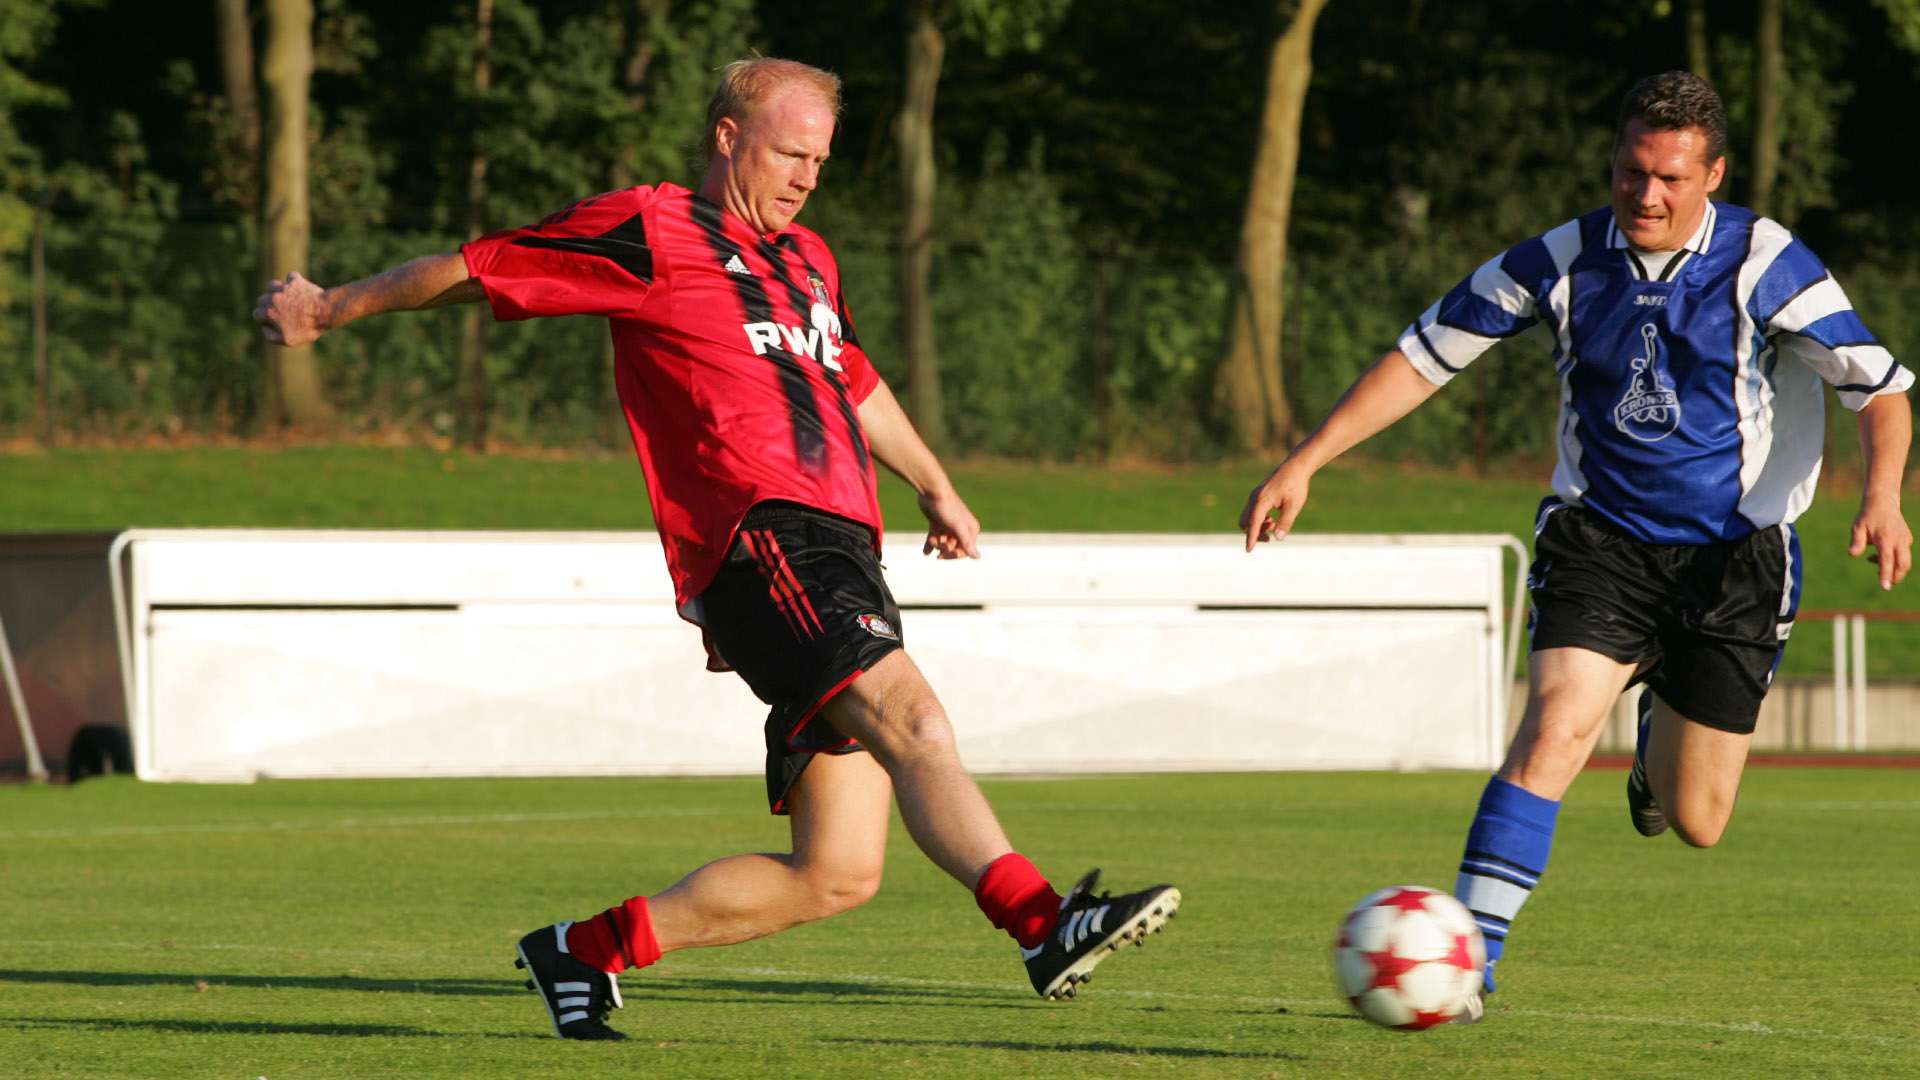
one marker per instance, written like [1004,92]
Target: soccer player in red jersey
[757,417]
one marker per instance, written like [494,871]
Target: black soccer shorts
[1706,623]
[800,610]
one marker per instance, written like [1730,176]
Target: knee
[1696,838]
[1564,743]
[842,889]
[1546,762]
[918,733]
[1699,815]
[1700,829]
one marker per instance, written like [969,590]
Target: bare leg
[839,820]
[1568,696]
[1694,771]
[894,713]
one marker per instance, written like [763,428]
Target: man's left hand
[1881,527]
[952,530]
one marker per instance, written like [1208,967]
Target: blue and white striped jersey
[1690,400]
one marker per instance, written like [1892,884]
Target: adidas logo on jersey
[736,266]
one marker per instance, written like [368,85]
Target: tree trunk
[1766,107]
[913,129]
[472,396]
[42,369]
[641,50]
[240,146]
[236,70]
[1102,362]
[1699,58]
[285,71]
[1249,388]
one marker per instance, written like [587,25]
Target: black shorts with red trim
[1705,623]
[800,610]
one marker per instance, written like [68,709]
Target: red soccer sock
[1017,899]
[616,939]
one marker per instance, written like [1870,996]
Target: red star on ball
[1387,969]
[1406,899]
[1461,955]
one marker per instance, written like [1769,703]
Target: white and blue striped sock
[1506,853]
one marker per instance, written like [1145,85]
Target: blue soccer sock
[1506,853]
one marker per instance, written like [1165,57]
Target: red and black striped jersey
[735,357]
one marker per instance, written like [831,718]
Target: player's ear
[1716,172]
[726,132]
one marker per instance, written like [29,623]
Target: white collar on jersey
[1701,240]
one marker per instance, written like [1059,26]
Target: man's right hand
[952,530]
[291,312]
[1273,505]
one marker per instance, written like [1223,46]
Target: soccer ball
[1409,957]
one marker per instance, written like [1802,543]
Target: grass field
[355,929]
[417,488]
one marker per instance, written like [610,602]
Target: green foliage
[1016,293]
[1813,88]
[1080,296]
[26,26]
[1903,19]
[117,345]
[1002,26]
[1165,331]
[1008,289]
[690,42]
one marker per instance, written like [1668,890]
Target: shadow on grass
[503,987]
[1073,1047]
[221,1027]
[703,989]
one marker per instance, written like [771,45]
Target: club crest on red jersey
[822,316]
[877,626]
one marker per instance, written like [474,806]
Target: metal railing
[1850,670]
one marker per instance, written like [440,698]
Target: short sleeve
[590,259]
[1487,306]
[1808,316]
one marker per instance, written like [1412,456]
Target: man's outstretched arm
[951,528]
[296,311]
[1886,429]
[1385,392]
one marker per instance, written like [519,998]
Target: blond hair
[746,84]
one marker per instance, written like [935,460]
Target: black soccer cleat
[1648,818]
[1090,927]
[577,995]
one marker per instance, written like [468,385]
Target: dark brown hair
[1675,101]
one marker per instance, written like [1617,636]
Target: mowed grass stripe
[109,832]
[668,970]
[384,949]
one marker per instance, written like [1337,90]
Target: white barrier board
[334,654]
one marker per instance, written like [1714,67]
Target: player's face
[774,156]
[1661,180]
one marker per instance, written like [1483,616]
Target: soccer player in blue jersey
[1691,339]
